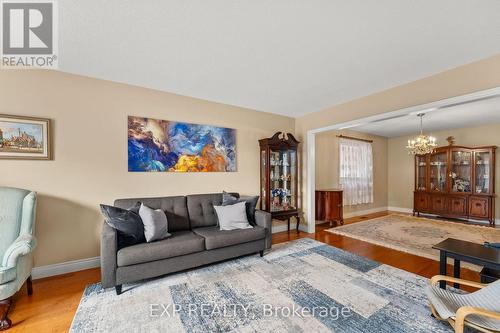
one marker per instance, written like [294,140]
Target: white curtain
[356,171]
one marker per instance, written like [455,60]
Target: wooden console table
[329,206]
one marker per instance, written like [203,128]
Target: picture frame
[25,138]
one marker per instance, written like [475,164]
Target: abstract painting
[167,146]
[24,137]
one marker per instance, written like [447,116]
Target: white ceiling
[460,116]
[284,56]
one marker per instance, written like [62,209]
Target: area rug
[416,235]
[300,286]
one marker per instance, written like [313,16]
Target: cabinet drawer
[421,202]
[479,207]
[457,205]
[438,203]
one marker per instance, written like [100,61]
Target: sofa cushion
[216,238]
[180,243]
[175,209]
[201,209]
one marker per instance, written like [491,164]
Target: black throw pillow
[251,204]
[127,222]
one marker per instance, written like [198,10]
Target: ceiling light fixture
[422,144]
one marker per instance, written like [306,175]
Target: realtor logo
[28,34]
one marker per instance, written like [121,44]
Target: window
[356,171]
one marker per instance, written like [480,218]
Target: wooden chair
[479,310]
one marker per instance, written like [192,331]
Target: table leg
[298,222]
[456,272]
[442,267]
[288,224]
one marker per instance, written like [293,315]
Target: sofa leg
[5,322]
[29,285]
[261,253]
[118,289]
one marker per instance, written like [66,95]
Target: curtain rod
[352,138]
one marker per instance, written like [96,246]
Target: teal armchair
[17,218]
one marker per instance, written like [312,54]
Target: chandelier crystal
[422,144]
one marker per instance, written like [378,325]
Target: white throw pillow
[233,216]
[155,223]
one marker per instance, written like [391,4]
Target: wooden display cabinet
[456,182]
[329,206]
[278,177]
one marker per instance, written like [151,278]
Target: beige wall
[327,166]
[401,169]
[481,75]
[90,164]
[90,150]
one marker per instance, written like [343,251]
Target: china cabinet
[278,177]
[456,182]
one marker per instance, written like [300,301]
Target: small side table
[461,250]
[286,215]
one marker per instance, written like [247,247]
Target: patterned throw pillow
[127,222]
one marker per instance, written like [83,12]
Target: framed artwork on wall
[27,138]
[167,146]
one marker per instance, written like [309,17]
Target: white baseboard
[409,210]
[82,264]
[79,265]
[65,267]
[284,227]
[364,212]
[400,209]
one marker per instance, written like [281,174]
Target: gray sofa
[196,240]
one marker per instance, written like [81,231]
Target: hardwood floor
[408,262]
[53,304]
[55,299]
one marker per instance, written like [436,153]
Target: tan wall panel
[477,76]
[90,150]
[327,166]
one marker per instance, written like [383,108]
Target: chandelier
[422,144]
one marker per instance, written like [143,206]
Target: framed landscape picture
[167,146]
[24,138]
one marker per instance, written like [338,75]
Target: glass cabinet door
[263,185]
[283,192]
[421,177]
[482,172]
[438,168]
[461,171]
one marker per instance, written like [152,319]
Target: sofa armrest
[23,245]
[109,248]
[263,219]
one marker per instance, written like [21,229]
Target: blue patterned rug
[300,286]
